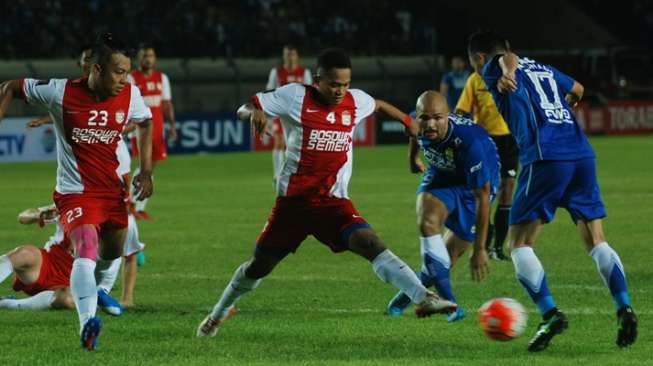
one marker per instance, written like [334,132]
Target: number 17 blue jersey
[537,114]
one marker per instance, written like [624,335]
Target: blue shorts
[546,185]
[461,204]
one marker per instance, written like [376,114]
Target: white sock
[528,267]
[278,158]
[106,273]
[391,269]
[606,258]
[434,247]
[238,286]
[6,268]
[40,301]
[82,286]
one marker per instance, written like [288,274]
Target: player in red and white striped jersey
[89,115]
[318,123]
[155,88]
[107,273]
[290,71]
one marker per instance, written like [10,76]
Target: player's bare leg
[129,273]
[530,274]
[63,299]
[246,278]
[613,274]
[25,261]
[391,269]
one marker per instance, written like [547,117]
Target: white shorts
[132,244]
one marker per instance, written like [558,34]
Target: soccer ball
[502,318]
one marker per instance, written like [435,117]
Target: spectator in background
[454,81]
[290,71]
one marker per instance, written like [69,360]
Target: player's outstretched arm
[393,112]
[249,113]
[39,121]
[8,90]
[478,262]
[41,215]
[143,181]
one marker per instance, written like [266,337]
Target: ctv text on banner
[18,143]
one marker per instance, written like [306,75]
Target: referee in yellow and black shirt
[477,100]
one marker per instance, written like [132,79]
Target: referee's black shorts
[508,154]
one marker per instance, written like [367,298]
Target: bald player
[455,192]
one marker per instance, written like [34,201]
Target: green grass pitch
[318,308]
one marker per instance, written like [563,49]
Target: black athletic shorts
[508,154]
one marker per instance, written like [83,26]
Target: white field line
[310,278]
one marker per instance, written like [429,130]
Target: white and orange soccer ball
[502,318]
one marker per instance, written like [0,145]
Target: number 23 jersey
[87,131]
[319,138]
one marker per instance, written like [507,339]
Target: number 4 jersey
[87,131]
[319,138]
[537,114]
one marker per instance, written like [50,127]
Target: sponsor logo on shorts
[94,135]
[326,140]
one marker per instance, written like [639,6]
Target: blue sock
[425,278]
[530,274]
[612,272]
[436,264]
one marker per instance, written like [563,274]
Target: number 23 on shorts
[74,213]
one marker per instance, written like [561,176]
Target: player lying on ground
[45,273]
[559,170]
[319,122]
[90,114]
[456,192]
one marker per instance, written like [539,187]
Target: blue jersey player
[558,171]
[455,192]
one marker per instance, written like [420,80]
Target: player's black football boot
[627,320]
[556,324]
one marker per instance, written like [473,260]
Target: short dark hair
[487,42]
[333,58]
[105,46]
[145,46]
